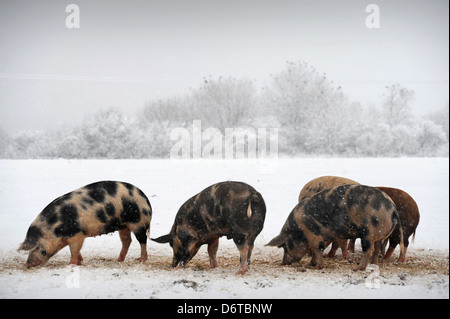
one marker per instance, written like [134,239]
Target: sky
[127,53]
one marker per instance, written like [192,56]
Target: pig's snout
[33,261]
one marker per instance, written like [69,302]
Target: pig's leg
[376,252]
[251,245]
[125,237]
[243,246]
[144,254]
[333,249]
[317,259]
[392,246]
[317,246]
[351,245]
[244,266]
[249,255]
[212,252]
[75,244]
[343,244]
[338,243]
[141,236]
[389,252]
[368,248]
[402,257]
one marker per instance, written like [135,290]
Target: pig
[337,214]
[232,209]
[409,216]
[319,184]
[95,209]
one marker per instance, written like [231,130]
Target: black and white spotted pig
[231,209]
[92,210]
[340,213]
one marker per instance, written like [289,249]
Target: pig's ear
[163,239]
[277,241]
[34,234]
[26,246]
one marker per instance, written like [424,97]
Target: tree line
[312,114]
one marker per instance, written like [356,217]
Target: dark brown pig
[92,210]
[231,209]
[338,214]
[409,217]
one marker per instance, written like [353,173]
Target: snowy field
[27,186]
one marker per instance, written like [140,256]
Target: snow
[27,186]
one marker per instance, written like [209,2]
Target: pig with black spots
[338,214]
[96,209]
[232,209]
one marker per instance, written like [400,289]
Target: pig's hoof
[319,266]
[242,270]
[142,259]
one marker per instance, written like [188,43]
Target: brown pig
[338,214]
[231,209]
[409,217]
[322,183]
[92,210]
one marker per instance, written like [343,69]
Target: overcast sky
[127,53]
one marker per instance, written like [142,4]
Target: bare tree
[108,134]
[441,118]
[225,102]
[307,106]
[396,107]
[174,110]
[4,141]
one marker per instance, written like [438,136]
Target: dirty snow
[27,186]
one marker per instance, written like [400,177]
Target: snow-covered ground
[27,186]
